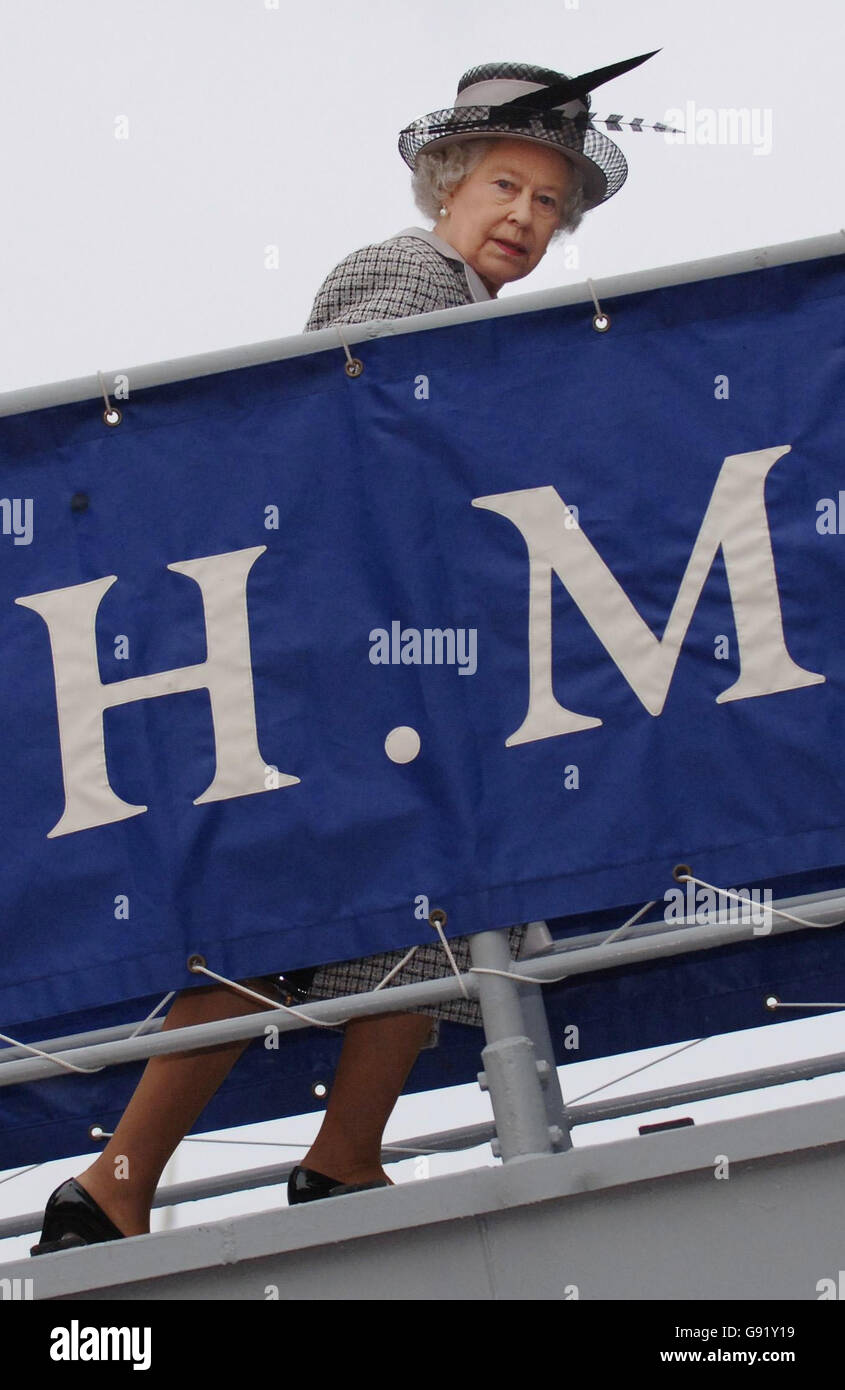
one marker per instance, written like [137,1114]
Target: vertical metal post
[513,1075]
[537,1029]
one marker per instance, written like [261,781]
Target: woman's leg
[167,1101]
[377,1056]
[378,1053]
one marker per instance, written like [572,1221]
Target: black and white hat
[532,103]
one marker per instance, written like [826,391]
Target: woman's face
[502,215]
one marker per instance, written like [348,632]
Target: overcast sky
[252,126]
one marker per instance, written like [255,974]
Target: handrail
[649,941]
[149,374]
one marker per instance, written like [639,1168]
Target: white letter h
[81,697]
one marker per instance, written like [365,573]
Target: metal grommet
[681,873]
[601,320]
[195,961]
[437,917]
[319,1090]
[354,367]
[79,502]
[111,414]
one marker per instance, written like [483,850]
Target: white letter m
[735,519]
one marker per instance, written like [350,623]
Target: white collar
[477,288]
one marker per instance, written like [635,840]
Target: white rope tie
[532,980]
[142,1025]
[262,998]
[434,921]
[389,976]
[354,365]
[71,1066]
[49,1056]
[512,975]
[615,935]
[777,912]
[297,1013]
[618,931]
[345,345]
[771,1003]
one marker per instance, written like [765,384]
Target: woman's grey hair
[438,172]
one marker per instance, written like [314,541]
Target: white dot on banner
[402,744]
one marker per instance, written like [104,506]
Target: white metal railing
[567,958]
[145,375]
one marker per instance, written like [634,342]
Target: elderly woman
[498,203]
[504,172]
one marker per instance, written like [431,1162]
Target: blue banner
[510,625]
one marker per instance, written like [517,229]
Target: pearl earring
[442,212]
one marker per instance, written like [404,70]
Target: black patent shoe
[307,1185]
[71,1218]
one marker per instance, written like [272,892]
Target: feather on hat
[525,102]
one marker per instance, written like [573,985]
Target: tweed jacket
[413,272]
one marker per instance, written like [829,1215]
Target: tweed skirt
[429,962]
